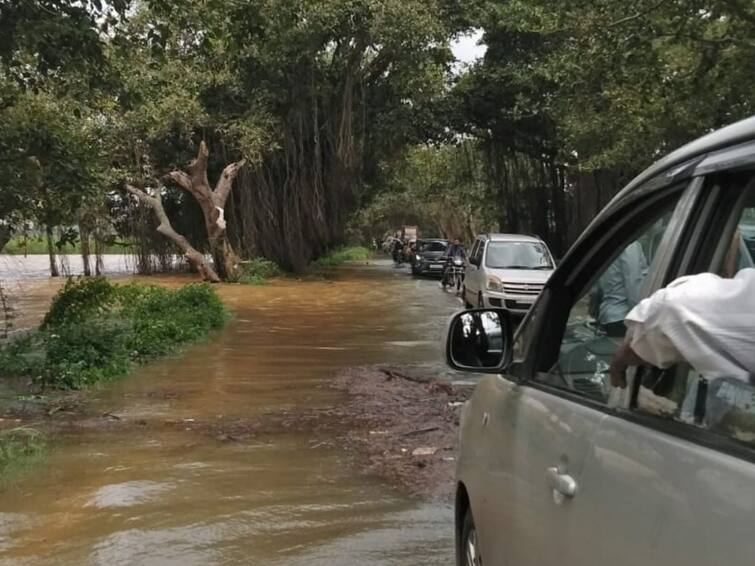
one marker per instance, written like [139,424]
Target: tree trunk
[5,235]
[99,266]
[51,253]
[195,259]
[212,202]
[85,250]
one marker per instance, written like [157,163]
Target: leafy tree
[574,98]
[51,165]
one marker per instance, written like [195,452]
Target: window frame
[534,330]
[598,254]
[704,253]
[479,245]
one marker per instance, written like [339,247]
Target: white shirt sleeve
[705,320]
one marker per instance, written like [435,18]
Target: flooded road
[171,495]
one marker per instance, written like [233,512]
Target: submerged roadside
[244,443]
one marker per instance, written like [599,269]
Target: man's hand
[623,359]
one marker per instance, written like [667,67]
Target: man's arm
[622,360]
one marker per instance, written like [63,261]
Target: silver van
[556,467]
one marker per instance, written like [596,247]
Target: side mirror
[473,261]
[479,340]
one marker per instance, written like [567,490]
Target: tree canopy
[349,115]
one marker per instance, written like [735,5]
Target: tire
[470,547]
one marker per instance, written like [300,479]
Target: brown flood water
[172,495]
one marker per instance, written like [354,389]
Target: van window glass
[518,255]
[595,326]
[724,405]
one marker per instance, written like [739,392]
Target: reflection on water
[172,495]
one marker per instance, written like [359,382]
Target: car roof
[510,238]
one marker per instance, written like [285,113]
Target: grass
[97,331]
[37,245]
[259,271]
[342,255]
[20,448]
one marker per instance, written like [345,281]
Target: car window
[477,252]
[434,247]
[518,255]
[474,249]
[724,405]
[595,325]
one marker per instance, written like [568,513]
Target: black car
[428,260]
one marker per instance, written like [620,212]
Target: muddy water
[27,280]
[173,495]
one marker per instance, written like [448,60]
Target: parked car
[429,257]
[506,271]
[556,467]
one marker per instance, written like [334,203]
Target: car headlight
[494,284]
[419,258]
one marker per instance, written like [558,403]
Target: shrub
[78,300]
[95,331]
[258,270]
[163,319]
[79,355]
[343,255]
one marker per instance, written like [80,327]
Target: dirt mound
[406,423]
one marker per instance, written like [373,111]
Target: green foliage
[96,330]
[51,164]
[84,353]
[163,319]
[20,447]
[79,300]
[258,270]
[341,256]
[439,187]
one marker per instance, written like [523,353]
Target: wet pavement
[175,496]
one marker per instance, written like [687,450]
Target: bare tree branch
[181,179]
[637,16]
[198,167]
[225,183]
[166,229]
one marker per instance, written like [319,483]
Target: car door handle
[562,484]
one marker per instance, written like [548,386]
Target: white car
[506,271]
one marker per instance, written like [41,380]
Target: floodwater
[155,495]
[26,279]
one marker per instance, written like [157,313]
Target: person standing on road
[618,290]
[398,250]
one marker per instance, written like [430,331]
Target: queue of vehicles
[499,270]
